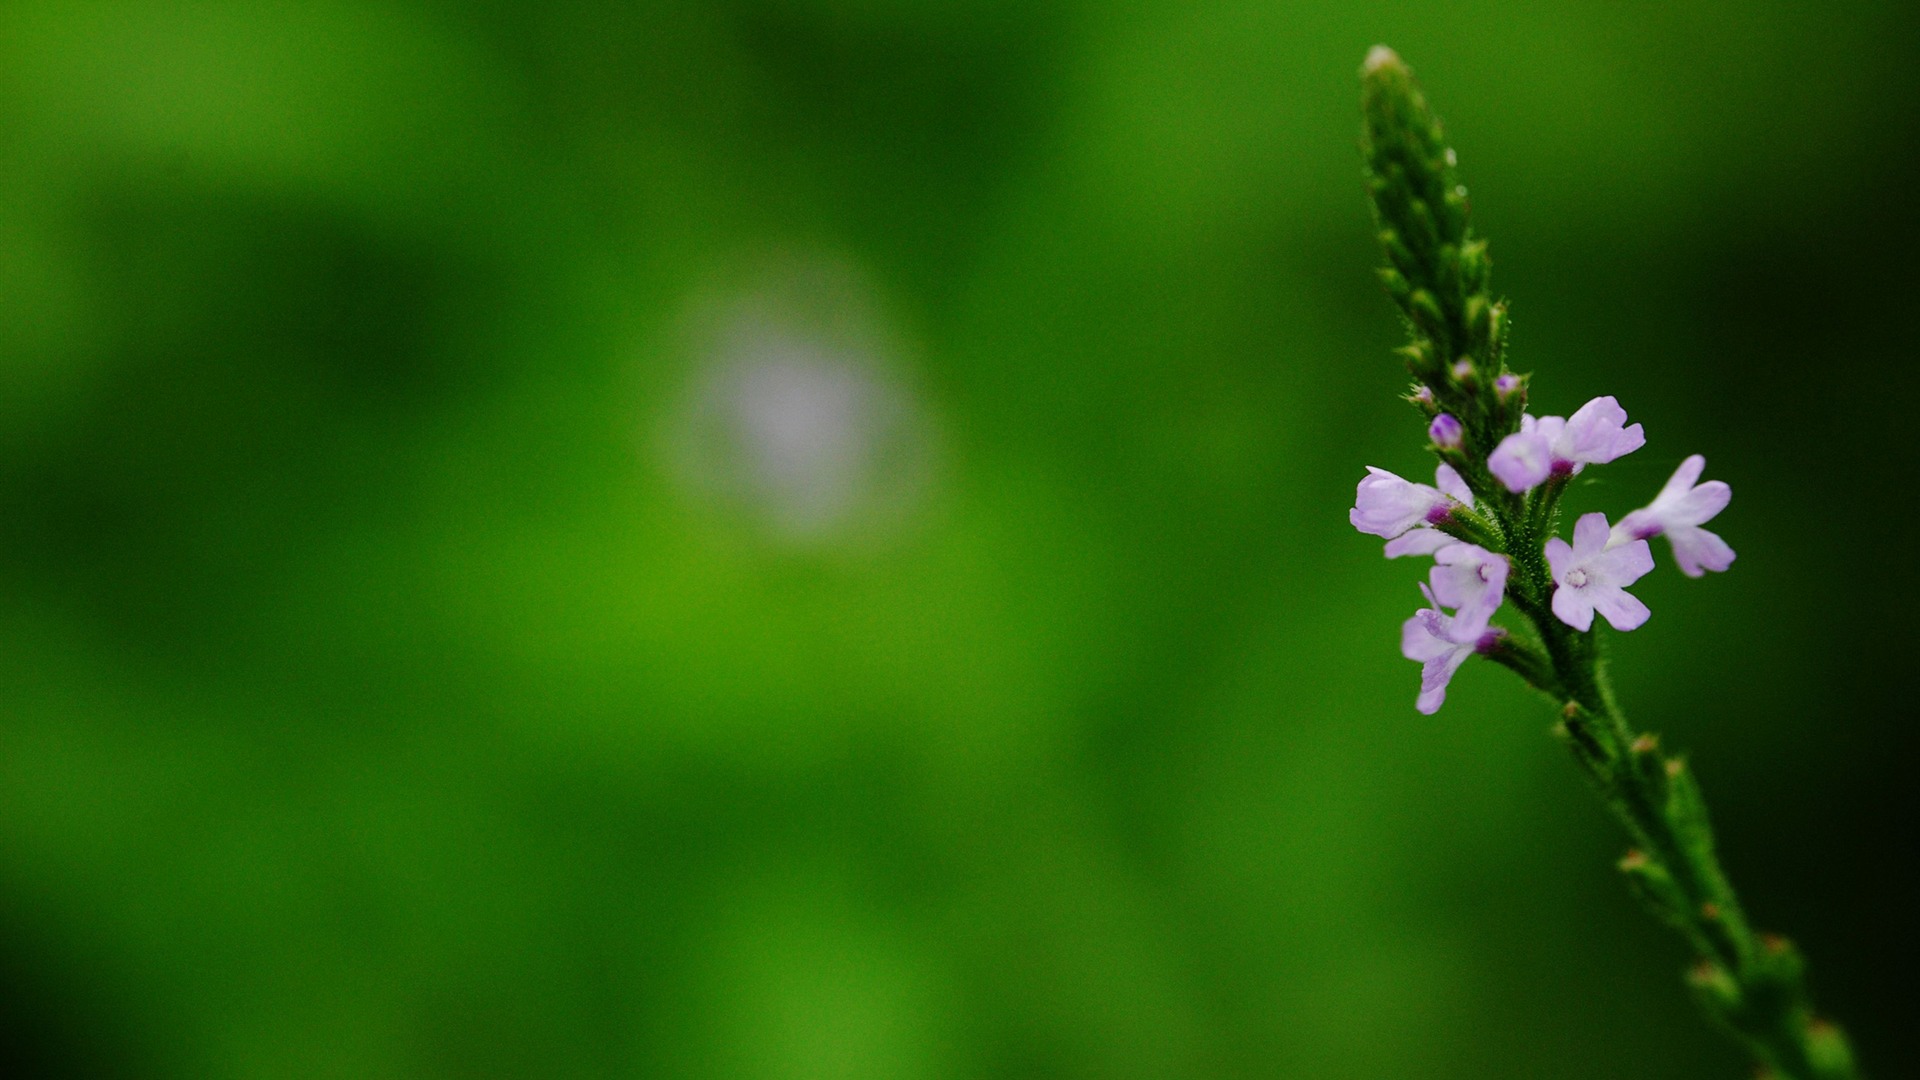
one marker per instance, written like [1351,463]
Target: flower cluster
[1474,547]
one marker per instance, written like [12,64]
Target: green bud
[1421,210]
[1474,266]
[1827,1049]
[1685,806]
[1780,961]
[1717,990]
[1479,308]
[1424,309]
[1576,729]
[1397,252]
[1650,882]
[1421,360]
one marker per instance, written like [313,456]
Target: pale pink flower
[1430,638]
[1677,513]
[1471,580]
[1425,539]
[1592,577]
[1387,505]
[1596,434]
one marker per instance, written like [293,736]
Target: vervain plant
[1489,522]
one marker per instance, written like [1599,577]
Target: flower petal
[1418,641]
[1434,677]
[1637,525]
[1450,483]
[1696,551]
[1573,607]
[1699,506]
[1682,480]
[1453,585]
[1418,541]
[1387,505]
[1559,558]
[1623,610]
[1624,565]
[1590,535]
[1473,580]
[1597,434]
[1522,460]
[1626,441]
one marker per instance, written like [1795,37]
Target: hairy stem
[1752,984]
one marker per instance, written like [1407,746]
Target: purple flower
[1431,638]
[1506,385]
[1446,432]
[1524,458]
[1472,580]
[1678,512]
[1425,539]
[1593,577]
[1386,505]
[1594,435]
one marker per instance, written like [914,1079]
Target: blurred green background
[807,538]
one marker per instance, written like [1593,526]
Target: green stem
[1438,271]
[1752,984]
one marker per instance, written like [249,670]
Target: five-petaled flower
[1432,639]
[1424,539]
[1589,576]
[1387,505]
[1545,446]
[1678,512]
[1471,580]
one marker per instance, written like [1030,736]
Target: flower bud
[1446,432]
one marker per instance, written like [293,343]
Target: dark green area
[390,685]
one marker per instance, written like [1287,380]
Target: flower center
[1577,578]
[1483,573]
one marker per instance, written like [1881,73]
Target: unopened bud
[1380,57]
[1645,744]
[1424,309]
[1715,987]
[1506,385]
[1827,1048]
[1446,432]
[1463,371]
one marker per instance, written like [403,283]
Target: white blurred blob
[795,416]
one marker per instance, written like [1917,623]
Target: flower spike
[1498,558]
